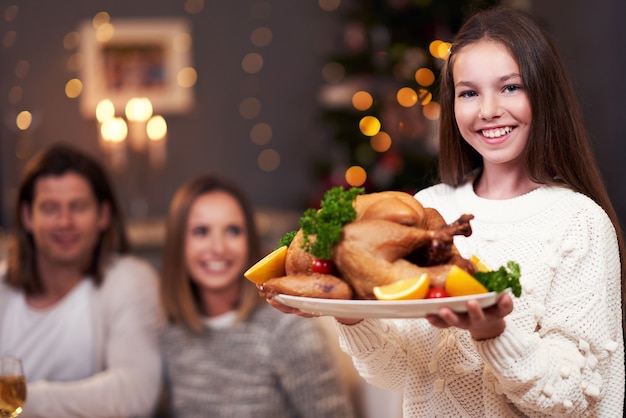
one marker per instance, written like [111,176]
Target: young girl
[227,353]
[514,153]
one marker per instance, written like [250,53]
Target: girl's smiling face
[491,106]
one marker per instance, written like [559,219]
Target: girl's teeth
[495,133]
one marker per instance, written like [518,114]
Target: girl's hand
[269,297]
[482,324]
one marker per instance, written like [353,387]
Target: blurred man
[82,314]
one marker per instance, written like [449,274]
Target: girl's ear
[105,216]
[27,221]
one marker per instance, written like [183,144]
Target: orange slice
[270,266]
[405,289]
[461,283]
[480,266]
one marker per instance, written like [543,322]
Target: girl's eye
[467,93]
[512,88]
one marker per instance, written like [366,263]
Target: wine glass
[12,387]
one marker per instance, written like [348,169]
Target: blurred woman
[227,352]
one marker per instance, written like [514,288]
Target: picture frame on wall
[145,57]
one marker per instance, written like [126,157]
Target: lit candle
[138,111]
[104,110]
[156,129]
[114,132]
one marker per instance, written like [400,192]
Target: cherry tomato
[323,266]
[436,292]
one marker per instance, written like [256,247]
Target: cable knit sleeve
[377,350]
[130,318]
[573,356]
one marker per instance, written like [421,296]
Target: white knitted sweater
[562,352]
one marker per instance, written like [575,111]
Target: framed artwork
[136,58]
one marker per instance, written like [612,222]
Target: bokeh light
[381,142]
[268,160]
[100,19]
[105,110]
[425,96]
[424,77]
[261,133]
[10,13]
[362,100]
[187,77]
[444,50]
[156,128]
[252,63]
[356,176]
[105,32]
[138,109]
[369,125]
[406,97]
[433,48]
[73,88]
[261,37]
[432,111]
[439,49]
[114,129]
[23,120]
[71,40]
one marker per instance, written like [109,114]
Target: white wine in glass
[12,387]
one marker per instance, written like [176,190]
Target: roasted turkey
[393,237]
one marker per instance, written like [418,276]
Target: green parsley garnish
[287,238]
[501,279]
[325,224]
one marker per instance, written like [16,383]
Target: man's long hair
[58,160]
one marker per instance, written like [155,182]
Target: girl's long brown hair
[179,294]
[559,149]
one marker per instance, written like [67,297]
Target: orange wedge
[405,289]
[270,266]
[461,283]
[480,266]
